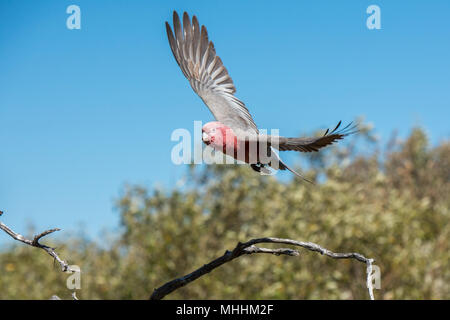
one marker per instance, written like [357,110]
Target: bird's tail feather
[284,166]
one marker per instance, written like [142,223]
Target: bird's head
[217,134]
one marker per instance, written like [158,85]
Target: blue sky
[82,112]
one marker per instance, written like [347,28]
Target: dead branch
[250,248]
[240,249]
[35,243]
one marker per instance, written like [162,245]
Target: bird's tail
[284,166]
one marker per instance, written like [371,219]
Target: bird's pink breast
[227,142]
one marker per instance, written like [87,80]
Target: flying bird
[234,133]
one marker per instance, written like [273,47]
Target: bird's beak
[205,137]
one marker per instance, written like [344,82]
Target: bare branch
[250,248]
[245,248]
[55,297]
[35,243]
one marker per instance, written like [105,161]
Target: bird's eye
[213,130]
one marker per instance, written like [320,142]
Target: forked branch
[35,243]
[250,248]
[245,248]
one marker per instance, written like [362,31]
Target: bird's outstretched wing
[209,78]
[314,144]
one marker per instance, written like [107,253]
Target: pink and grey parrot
[234,132]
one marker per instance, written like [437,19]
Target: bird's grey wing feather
[209,78]
[314,144]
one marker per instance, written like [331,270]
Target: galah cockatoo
[234,133]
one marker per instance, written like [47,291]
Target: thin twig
[369,282]
[35,243]
[250,248]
